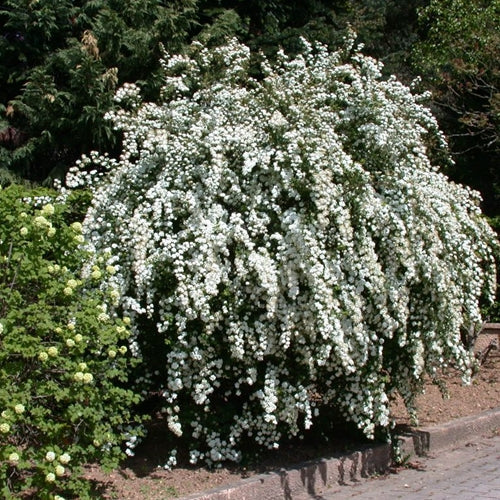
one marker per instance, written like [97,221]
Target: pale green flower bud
[79,238]
[48,209]
[52,351]
[23,231]
[70,343]
[68,291]
[123,349]
[96,274]
[82,366]
[19,408]
[111,269]
[50,477]
[14,458]
[88,378]
[50,456]
[60,470]
[72,283]
[112,353]
[78,338]
[103,317]
[43,356]
[51,232]
[65,458]
[40,221]
[76,226]
[4,428]
[78,376]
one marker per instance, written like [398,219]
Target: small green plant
[63,354]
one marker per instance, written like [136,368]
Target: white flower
[282,236]
[50,456]
[14,458]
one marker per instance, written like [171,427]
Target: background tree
[458,57]
[61,63]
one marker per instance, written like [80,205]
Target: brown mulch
[142,478]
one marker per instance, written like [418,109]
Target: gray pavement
[471,471]
[457,460]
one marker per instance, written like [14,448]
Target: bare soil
[142,476]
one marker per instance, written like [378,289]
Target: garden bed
[141,477]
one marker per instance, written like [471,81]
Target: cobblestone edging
[344,469]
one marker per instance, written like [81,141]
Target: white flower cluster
[289,242]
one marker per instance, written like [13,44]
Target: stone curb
[344,469]
[424,440]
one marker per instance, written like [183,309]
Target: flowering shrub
[63,353]
[285,246]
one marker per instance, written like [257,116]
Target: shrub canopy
[286,245]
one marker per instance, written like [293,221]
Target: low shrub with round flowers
[59,391]
[285,245]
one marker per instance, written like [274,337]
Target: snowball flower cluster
[290,243]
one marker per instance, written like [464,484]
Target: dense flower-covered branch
[289,241]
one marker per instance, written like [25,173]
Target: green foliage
[60,65]
[458,57]
[63,354]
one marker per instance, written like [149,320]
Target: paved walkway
[470,472]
